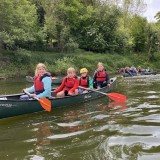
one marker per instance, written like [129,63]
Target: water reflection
[43,132]
[13,86]
[100,129]
[79,121]
[117,106]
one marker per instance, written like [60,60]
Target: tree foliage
[65,25]
[18,23]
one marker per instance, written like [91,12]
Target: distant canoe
[139,74]
[55,80]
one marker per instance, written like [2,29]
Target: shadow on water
[99,129]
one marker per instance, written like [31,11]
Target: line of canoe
[11,105]
[139,74]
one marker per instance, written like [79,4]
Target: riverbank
[23,63]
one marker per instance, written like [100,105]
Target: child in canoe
[42,84]
[85,81]
[100,77]
[69,86]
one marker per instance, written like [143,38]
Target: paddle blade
[117,97]
[45,103]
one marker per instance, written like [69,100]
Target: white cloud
[151,10]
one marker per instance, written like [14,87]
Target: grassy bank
[23,62]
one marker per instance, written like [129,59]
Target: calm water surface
[97,130]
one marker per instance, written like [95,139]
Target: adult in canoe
[100,77]
[69,86]
[11,105]
[42,84]
[84,81]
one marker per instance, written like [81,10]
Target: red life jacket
[84,82]
[101,76]
[69,83]
[38,84]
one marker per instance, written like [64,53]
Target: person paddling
[100,77]
[42,84]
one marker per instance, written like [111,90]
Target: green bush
[22,56]
[61,65]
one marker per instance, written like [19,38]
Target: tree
[157,16]
[97,30]
[139,33]
[153,39]
[18,23]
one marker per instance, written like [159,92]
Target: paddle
[45,103]
[130,73]
[114,96]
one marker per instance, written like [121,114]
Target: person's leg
[104,84]
[99,85]
[76,92]
[60,94]
[25,97]
[94,85]
[80,91]
[85,91]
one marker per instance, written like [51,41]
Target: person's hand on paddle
[33,95]
[23,90]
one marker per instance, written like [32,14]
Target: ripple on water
[76,123]
[146,105]
[151,92]
[131,147]
[100,116]
[67,135]
[152,96]
[141,130]
[149,118]
[147,156]
[36,157]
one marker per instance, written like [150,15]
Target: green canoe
[139,74]
[55,80]
[11,105]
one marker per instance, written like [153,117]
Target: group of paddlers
[133,70]
[71,84]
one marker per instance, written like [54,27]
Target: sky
[153,6]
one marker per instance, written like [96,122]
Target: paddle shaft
[44,102]
[114,96]
[130,73]
[93,90]
[30,95]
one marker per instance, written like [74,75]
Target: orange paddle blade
[45,103]
[117,97]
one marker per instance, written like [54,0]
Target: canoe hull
[139,74]
[11,106]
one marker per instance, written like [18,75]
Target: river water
[96,130]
